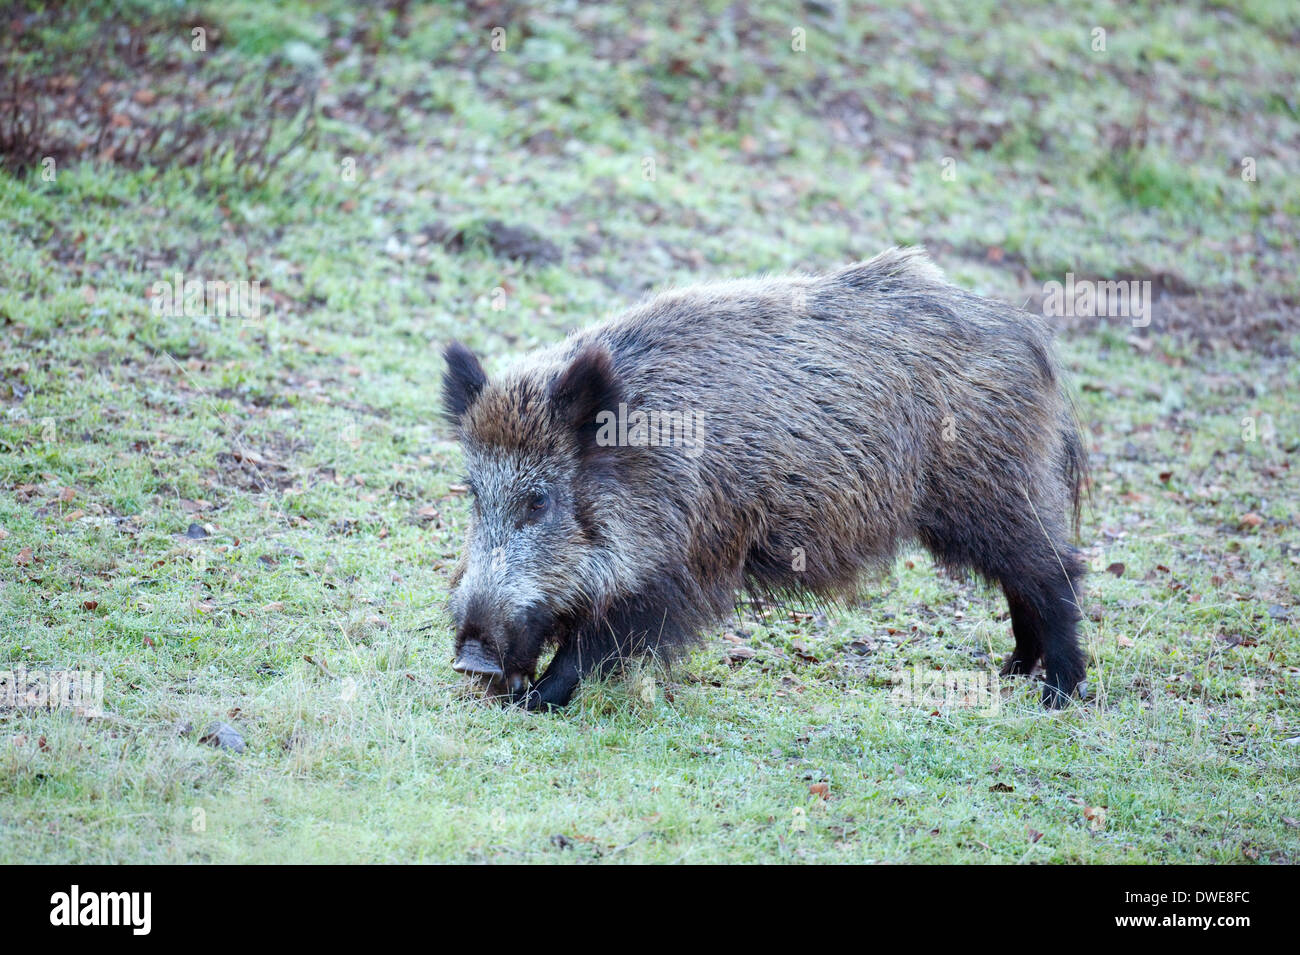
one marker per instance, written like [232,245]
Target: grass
[306,606]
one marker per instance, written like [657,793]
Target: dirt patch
[502,240]
[1211,319]
[256,471]
[149,104]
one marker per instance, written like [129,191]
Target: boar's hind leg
[1027,629]
[1045,619]
[1043,588]
[1041,580]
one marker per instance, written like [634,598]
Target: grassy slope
[336,546]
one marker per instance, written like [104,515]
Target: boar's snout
[473,658]
[499,654]
[476,652]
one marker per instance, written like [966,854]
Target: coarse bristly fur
[841,415]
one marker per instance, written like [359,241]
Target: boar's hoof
[1056,697]
[1017,665]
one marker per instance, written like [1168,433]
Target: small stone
[223,736]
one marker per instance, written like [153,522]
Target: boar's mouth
[474,662]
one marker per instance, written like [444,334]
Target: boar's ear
[462,380]
[585,389]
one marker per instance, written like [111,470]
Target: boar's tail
[1076,466]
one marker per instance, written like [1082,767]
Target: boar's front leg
[587,652]
[557,684]
[633,627]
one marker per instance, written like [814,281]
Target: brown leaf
[820,789]
[1116,568]
[1251,519]
[1002,788]
[803,653]
[24,557]
[740,654]
[1034,834]
[89,604]
[1096,816]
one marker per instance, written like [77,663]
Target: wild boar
[815,424]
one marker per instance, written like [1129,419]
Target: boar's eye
[538,502]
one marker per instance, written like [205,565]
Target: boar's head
[538,561]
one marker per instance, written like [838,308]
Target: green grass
[308,442]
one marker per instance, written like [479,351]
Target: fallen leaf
[1096,816]
[820,789]
[1117,569]
[740,654]
[803,653]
